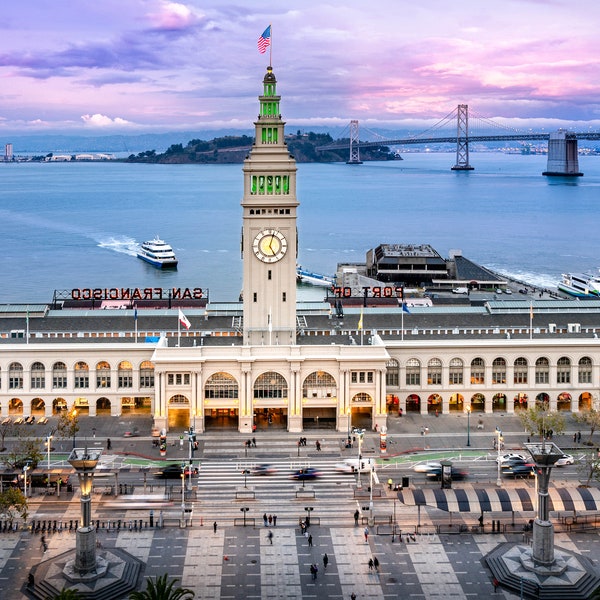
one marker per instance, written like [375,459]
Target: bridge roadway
[240,562]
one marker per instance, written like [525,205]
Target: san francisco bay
[73,225]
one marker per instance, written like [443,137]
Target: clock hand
[271,244]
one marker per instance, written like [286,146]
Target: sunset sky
[152,65]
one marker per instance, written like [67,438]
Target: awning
[479,500]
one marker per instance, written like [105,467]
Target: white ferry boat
[314,278]
[580,285]
[158,253]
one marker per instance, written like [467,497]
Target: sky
[133,66]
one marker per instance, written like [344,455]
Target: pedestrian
[310,541]
[579,437]
[274,520]
[265,520]
[254,442]
[495,583]
[43,542]
[314,570]
[422,430]
[366,532]
[390,483]
[574,438]
[318,445]
[108,444]
[376,563]
[270,519]
[270,536]
[325,560]
[352,596]
[302,527]
[215,527]
[371,564]
[356,515]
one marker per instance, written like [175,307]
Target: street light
[73,423]
[349,423]
[371,521]
[469,425]
[360,440]
[244,509]
[25,469]
[498,444]
[48,442]
[183,494]
[308,510]
[245,474]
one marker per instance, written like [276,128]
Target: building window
[254,297]
[221,385]
[319,384]
[362,377]
[563,370]
[146,375]
[585,370]
[270,385]
[520,370]
[82,375]
[178,378]
[59,375]
[125,375]
[456,372]
[38,376]
[15,376]
[542,370]
[392,374]
[499,371]
[477,371]
[283,296]
[434,372]
[103,375]
[413,372]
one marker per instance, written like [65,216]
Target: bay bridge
[563,158]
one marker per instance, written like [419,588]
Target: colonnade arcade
[270,401]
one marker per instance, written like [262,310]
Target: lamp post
[244,509]
[371,520]
[73,424]
[498,444]
[469,425]
[360,440]
[349,412]
[25,469]
[183,494]
[245,474]
[308,510]
[48,442]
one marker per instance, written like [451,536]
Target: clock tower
[269,235]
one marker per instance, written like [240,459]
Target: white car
[426,467]
[565,459]
[508,291]
[506,458]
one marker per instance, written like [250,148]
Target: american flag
[264,41]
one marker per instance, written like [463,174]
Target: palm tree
[66,594]
[162,589]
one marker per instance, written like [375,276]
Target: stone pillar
[563,160]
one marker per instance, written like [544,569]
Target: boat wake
[123,245]
[538,280]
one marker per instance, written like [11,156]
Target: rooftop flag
[360,321]
[184,320]
[264,41]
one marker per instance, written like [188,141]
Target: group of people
[269,520]
[251,443]
[374,564]
[302,441]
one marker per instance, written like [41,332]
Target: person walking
[270,536]
[310,541]
[215,527]
[352,596]
[314,570]
[325,560]
[274,520]
[376,563]
[270,519]
[371,564]
[265,520]
[108,444]
[254,442]
[366,532]
[356,515]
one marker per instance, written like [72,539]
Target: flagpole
[136,329]
[402,311]
[531,320]
[271,47]
[27,328]
[178,330]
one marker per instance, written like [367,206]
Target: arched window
[585,370]
[542,370]
[434,372]
[563,370]
[270,385]
[456,372]
[146,374]
[59,375]
[15,376]
[38,376]
[103,375]
[125,375]
[520,370]
[319,384]
[82,375]
[478,371]
[392,374]
[413,372]
[499,370]
[221,385]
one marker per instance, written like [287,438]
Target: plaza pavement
[240,562]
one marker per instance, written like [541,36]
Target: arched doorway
[434,404]
[563,401]
[103,406]
[413,403]
[585,401]
[456,403]
[179,412]
[38,407]
[521,401]
[58,405]
[362,410]
[478,403]
[270,400]
[15,406]
[319,400]
[221,397]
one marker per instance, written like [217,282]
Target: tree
[67,594]
[26,451]
[539,420]
[162,589]
[13,502]
[589,418]
[590,467]
[68,423]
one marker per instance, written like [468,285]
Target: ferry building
[269,361]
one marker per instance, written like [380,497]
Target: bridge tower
[354,141]
[462,139]
[563,159]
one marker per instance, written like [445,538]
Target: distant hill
[234,149]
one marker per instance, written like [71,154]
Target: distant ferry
[314,278]
[580,285]
[158,253]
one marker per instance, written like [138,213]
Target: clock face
[270,245]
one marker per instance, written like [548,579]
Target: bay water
[76,225]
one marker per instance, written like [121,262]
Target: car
[425,467]
[520,470]
[523,291]
[351,465]
[508,291]
[263,470]
[511,462]
[133,433]
[456,474]
[565,459]
[304,474]
[498,291]
[174,470]
[505,457]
